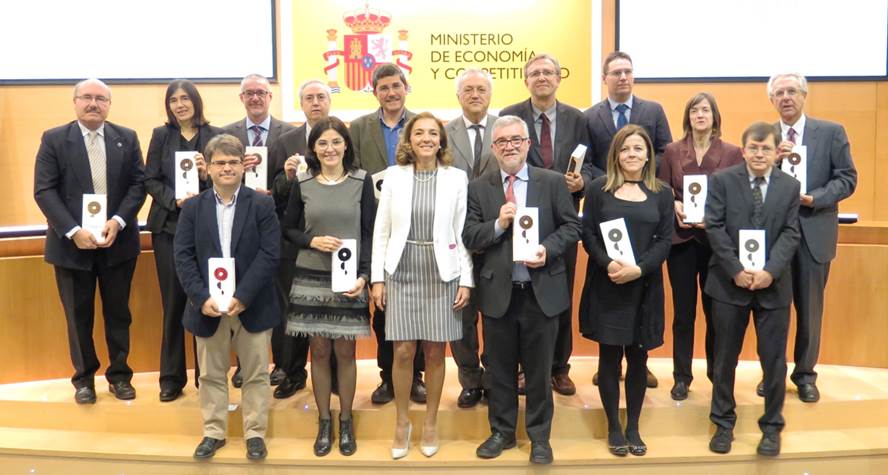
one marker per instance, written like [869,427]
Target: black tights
[610,358]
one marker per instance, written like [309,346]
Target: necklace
[637,182]
[332,180]
[425,178]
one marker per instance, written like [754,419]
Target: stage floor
[43,431]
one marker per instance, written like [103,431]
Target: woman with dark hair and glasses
[622,302]
[186,130]
[700,152]
[329,202]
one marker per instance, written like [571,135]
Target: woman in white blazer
[421,272]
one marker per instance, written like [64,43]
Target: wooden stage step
[42,430]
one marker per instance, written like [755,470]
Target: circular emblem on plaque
[186,165]
[526,222]
[615,235]
[794,158]
[344,254]
[751,245]
[93,207]
[220,273]
[695,188]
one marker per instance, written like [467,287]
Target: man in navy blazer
[91,155]
[230,220]
[831,177]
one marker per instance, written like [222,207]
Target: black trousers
[173,373]
[688,266]
[465,351]
[289,353]
[385,350]
[523,335]
[77,290]
[771,327]
[564,339]
[808,283]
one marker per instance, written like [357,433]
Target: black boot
[324,441]
[347,443]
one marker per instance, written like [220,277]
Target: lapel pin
[119,145]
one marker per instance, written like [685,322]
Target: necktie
[791,135]
[257,136]
[758,203]
[97,165]
[546,141]
[476,165]
[621,116]
[510,190]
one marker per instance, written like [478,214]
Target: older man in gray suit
[470,139]
[831,177]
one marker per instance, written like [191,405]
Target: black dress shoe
[617,444]
[652,380]
[324,441]
[760,389]
[208,447]
[679,391]
[494,446]
[721,441]
[170,394]
[85,395]
[383,393]
[287,388]
[809,393]
[769,446]
[540,452]
[256,448]
[122,390]
[237,380]
[636,445]
[418,391]
[277,376]
[347,443]
[469,397]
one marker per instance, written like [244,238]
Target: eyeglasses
[764,149]
[90,98]
[335,143]
[619,72]
[255,93]
[542,72]
[224,163]
[514,141]
[470,91]
[790,92]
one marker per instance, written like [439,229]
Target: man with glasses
[230,221]
[754,196]
[92,156]
[520,301]
[555,131]
[259,128]
[621,107]
[375,138]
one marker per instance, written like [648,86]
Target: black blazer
[559,230]
[648,114]
[160,173]
[255,247]
[289,143]
[570,130]
[276,128]
[62,176]
[726,217]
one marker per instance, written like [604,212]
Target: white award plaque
[616,241]
[525,234]
[796,165]
[257,177]
[186,175]
[751,248]
[694,198]
[221,280]
[95,214]
[377,183]
[345,266]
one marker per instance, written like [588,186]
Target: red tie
[510,190]
[791,135]
[546,142]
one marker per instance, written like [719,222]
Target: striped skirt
[315,310]
[419,305]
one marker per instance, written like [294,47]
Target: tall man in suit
[555,131]
[230,221]
[470,139]
[754,195]
[831,177]
[621,107]
[259,128]
[375,138]
[284,158]
[91,155]
[520,301]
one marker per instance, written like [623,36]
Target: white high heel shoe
[401,452]
[429,450]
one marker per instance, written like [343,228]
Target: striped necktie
[97,165]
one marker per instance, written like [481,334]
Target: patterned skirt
[315,310]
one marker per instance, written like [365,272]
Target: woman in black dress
[186,130]
[622,303]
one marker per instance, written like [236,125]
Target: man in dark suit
[831,177]
[230,221]
[555,131]
[621,107]
[519,300]
[375,138]
[259,128]
[284,158]
[470,139]
[761,198]
[89,156]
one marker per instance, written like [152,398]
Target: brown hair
[759,131]
[404,153]
[226,145]
[615,177]
[614,55]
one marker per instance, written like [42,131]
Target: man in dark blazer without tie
[520,301]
